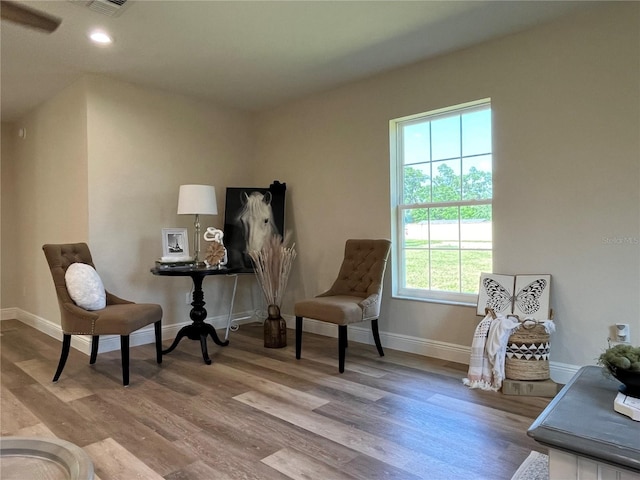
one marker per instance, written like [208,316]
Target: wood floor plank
[111,461]
[170,425]
[259,413]
[14,415]
[60,417]
[13,468]
[438,431]
[243,425]
[355,439]
[40,370]
[243,429]
[508,421]
[198,470]
[12,376]
[38,430]
[366,468]
[273,389]
[230,460]
[38,346]
[185,374]
[447,376]
[332,361]
[334,380]
[124,428]
[298,466]
[385,451]
[509,458]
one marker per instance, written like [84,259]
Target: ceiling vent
[111,8]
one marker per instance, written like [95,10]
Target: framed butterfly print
[527,296]
[532,296]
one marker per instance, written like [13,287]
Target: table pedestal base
[198,331]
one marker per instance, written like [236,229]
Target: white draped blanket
[486,366]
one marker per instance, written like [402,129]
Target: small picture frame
[175,243]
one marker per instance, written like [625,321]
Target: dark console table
[199,329]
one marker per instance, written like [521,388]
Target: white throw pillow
[85,287]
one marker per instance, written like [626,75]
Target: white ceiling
[247,54]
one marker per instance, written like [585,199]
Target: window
[441,187]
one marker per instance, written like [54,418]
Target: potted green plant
[622,361]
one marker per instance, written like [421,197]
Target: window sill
[435,300]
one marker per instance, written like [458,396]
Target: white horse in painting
[256,218]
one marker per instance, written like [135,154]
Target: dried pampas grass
[272,265]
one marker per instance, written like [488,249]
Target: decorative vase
[630,380]
[275,329]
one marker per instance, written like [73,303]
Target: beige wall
[567,178]
[565,99]
[48,202]
[143,145]
[8,235]
[102,163]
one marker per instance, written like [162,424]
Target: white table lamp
[197,200]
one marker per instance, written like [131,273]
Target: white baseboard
[420,346]
[560,372]
[109,343]
[8,313]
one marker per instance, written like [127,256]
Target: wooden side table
[199,329]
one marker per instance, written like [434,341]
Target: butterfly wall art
[524,295]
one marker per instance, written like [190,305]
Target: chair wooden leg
[298,337]
[95,340]
[376,336]
[342,346]
[124,352]
[158,329]
[66,345]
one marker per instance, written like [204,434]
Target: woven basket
[528,353]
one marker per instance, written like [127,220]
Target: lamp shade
[197,199]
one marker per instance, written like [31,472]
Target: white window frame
[397,209]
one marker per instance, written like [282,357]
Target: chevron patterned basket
[528,353]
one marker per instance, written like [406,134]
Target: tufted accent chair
[354,296]
[119,317]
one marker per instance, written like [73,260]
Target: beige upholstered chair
[354,297]
[119,317]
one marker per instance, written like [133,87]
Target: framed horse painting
[251,215]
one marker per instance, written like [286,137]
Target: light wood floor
[258,413]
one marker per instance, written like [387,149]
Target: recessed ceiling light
[100,37]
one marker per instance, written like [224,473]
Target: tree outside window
[443,211]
